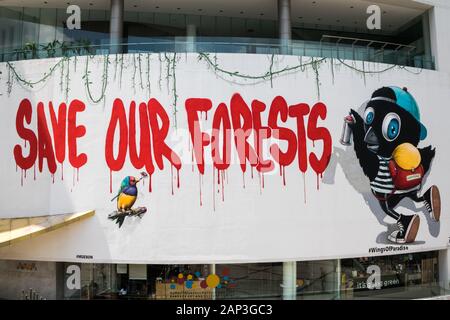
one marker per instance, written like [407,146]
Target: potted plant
[51,48]
[30,50]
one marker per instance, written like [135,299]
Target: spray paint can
[346,130]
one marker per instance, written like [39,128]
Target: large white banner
[193,158]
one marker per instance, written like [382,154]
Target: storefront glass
[395,277]
[317,280]
[409,276]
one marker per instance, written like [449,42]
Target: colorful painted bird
[126,197]
[127,194]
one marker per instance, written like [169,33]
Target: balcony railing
[328,47]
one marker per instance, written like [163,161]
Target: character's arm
[367,159]
[427,155]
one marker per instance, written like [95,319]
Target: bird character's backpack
[405,167]
[404,179]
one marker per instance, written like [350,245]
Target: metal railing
[328,47]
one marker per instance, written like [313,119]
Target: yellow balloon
[212,280]
[407,156]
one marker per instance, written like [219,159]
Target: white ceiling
[348,13]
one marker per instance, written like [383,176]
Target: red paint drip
[214,188]
[262,178]
[53,178]
[178,178]
[243,179]
[171,177]
[110,181]
[25,174]
[223,187]
[284,175]
[251,171]
[317,181]
[149,183]
[62,171]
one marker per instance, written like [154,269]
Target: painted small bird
[126,197]
[127,194]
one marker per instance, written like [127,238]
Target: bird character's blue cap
[406,101]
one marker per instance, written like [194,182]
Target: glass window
[317,279]
[11,28]
[31,25]
[250,281]
[47,25]
[397,277]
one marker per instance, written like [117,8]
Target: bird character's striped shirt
[383,184]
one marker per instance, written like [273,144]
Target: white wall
[298,221]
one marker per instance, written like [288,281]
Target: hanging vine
[314,63]
[67,81]
[170,61]
[160,70]
[9,82]
[148,76]
[270,69]
[171,75]
[133,78]
[315,66]
[265,76]
[116,63]
[61,77]
[121,71]
[14,75]
[104,79]
[140,71]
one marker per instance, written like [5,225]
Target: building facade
[201,150]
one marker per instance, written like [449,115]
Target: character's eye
[369,114]
[391,126]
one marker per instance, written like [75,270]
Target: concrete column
[426,39]
[116,25]
[339,279]
[284,25]
[440,41]
[444,271]
[289,280]
[60,283]
[212,270]
[191,33]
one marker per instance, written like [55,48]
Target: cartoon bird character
[385,142]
